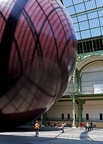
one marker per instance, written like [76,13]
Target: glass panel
[66,3]
[71,10]
[95,32]
[78,35]
[94,23]
[77,1]
[80,7]
[92,15]
[85,34]
[74,19]
[102,30]
[99,3]
[101,21]
[90,5]
[76,26]
[82,17]
[84,25]
[100,13]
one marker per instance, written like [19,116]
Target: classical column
[44,119]
[80,109]
[79,87]
[73,102]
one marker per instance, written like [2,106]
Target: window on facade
[101,116]
[62,116]
[68,116]
[75,116]
[87,116]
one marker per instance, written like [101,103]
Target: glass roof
[87,17]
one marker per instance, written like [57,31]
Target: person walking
[36,127]
[87,126]
[82,125]
[62,126]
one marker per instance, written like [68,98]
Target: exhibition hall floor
[52,136]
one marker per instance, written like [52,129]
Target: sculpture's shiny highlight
[37,57]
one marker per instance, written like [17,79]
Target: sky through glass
[87,17]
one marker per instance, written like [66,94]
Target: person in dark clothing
[91,125]
[36,127]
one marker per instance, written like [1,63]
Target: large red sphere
[37,57]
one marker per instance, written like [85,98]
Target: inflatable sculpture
[37,57]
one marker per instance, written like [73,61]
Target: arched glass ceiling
[87,16]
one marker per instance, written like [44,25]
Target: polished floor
[52,136]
